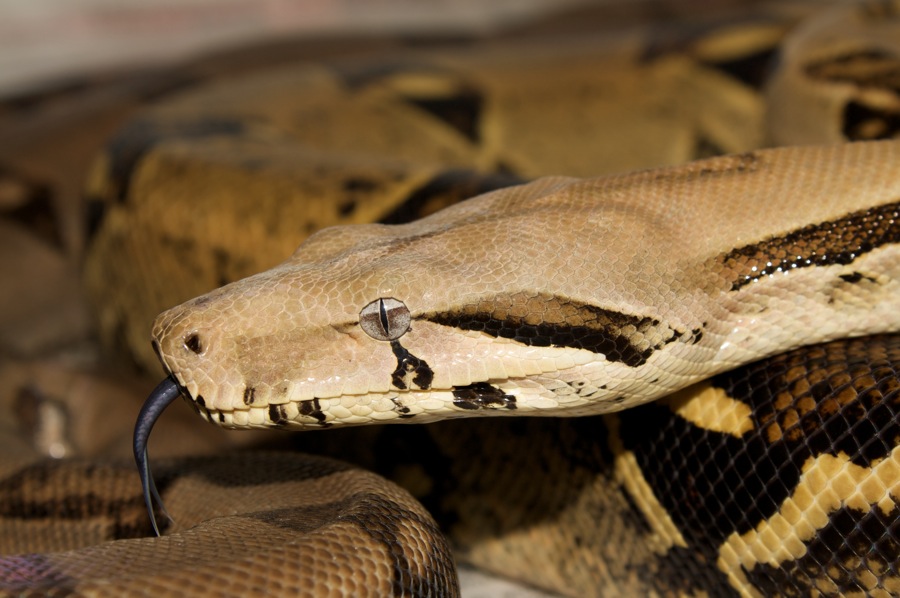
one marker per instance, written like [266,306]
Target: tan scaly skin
[561,297]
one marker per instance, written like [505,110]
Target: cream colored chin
[402,407]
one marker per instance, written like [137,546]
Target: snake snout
[186,332]
[196,345]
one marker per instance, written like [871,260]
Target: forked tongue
[161,397]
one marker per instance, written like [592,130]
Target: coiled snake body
[564,297]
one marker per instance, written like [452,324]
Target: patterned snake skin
[712,454]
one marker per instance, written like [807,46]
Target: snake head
[559,297]
[449,316]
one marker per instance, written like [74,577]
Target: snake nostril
[193,343]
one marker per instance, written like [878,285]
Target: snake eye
[385,319]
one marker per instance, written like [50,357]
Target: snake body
[563,296]
[720,489]
[829,268]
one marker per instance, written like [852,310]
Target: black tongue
[161,397]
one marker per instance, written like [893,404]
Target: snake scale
[721,329]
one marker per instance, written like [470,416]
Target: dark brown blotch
[30,204]
[445,189]
[461,111]
[410,369]
[401,409]
[838,241]
[313,409]
[544,320]
[482,395]
[855,277]
[278,415]
[139,137]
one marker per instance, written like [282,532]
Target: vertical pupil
[382,313]
[384,319]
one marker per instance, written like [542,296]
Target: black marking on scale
[410,369]
[482,395]
[313,409]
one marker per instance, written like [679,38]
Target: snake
[714,340]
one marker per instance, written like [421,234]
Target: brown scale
[838,241]
[543,320]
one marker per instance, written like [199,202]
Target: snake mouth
[162,396]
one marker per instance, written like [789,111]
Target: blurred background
[685,76]
[41,40]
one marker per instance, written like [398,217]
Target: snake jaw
[161,397]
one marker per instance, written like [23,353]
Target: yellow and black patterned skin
[798,492]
